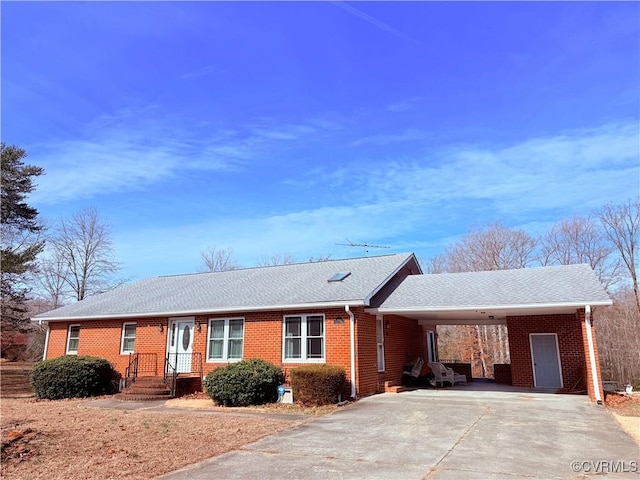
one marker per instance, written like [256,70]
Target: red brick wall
[102,338]
[404,340]
[569,330]
[262,338]
[588,376]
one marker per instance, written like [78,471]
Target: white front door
[180,344]
[546,361]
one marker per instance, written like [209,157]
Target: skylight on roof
[338,277]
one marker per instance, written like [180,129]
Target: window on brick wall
[128,338]
[303,338]
[73,339]
[226,339]
[380,343]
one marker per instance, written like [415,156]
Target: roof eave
[208,311]
[577,304]
[367,299]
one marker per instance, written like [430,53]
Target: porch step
[389,387]
[149,382]
[145,388]
[140,398]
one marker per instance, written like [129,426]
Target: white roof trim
[202,312]
[489,307]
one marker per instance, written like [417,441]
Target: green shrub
[317,384]
[72,376]
[248,382]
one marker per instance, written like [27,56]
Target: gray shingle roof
[303,284]
[555,285]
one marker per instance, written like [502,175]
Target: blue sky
[290,127]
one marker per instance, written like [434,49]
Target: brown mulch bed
[625,405]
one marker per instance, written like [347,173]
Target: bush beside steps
[73,376]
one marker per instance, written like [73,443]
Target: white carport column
[352,341]
[592,355]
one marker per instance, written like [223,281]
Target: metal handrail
[171,368]
[140,363]
[131,372]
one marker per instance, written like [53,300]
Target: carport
[547,311]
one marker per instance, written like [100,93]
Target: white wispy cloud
[573,171]
[198,72]
[411,204]
[303,233]
[403,105]
[382,139]
[134,148]
[379,24]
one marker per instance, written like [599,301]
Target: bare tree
[320,258]
[82,245]
[218,259]
[580,240]
[50,280]
[618,339]
[622,226]
[275,259]
[496,247]
[437,264]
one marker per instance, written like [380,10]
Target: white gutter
[352,339]
[592,355]
[202,311]
[46,342]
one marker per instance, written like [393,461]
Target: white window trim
[303,346]
[122,350]
[72,352]
[379,344]
[225,341]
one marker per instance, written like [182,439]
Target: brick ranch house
[370,315]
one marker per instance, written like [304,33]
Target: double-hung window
[73,339]
[226,338]
[128,338]
[303,338]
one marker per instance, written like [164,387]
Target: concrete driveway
[441,434]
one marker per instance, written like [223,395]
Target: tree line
[46,265]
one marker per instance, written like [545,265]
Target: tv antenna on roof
[366,246]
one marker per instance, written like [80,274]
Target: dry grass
[69,439]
